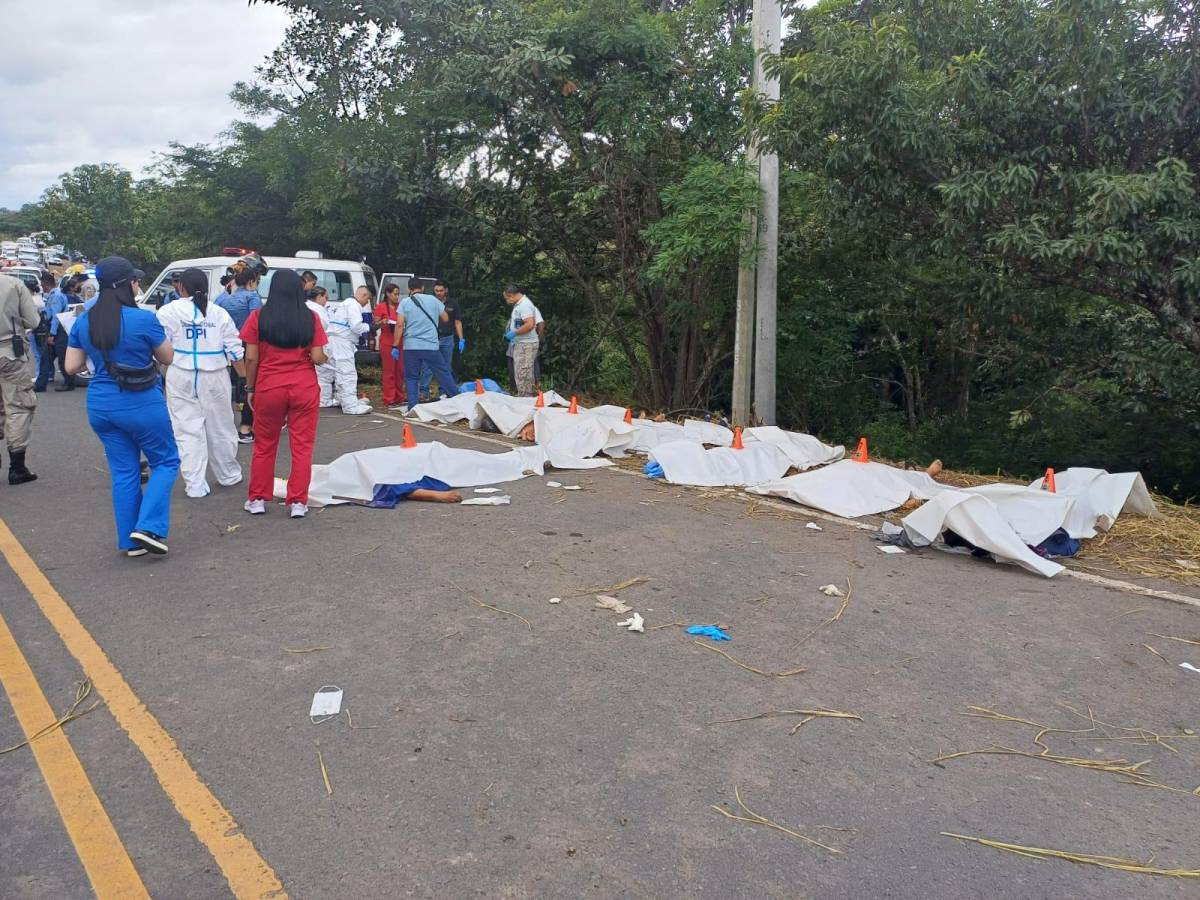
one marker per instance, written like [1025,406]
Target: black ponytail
[196,283]
[104,319]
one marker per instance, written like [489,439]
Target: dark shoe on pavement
[245,437]
[17,473]
[64,387]
[150,542]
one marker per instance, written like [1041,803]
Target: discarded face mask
[604,602]
[487,501]
[633,623]
[709,631]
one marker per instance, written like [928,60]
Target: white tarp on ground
[509,414]
[853,489]
[707,433]
[355,475]
[1099,498]
[571,441]
[804,450]
[687,462]
[974,517]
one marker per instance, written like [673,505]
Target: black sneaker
[245,437]
[150,542]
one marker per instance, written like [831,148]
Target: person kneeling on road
[199,392]
[417,320]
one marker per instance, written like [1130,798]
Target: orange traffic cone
[860,454]
[737,439]
[573,409]
[1048,481]
[409,440]
[628,416]
[540,403]
[478,386]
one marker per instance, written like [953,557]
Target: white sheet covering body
[687,462]
[355,475]
[853,489]
[974,517]
[1099,497]
[571,441]
[804,450]
[707,433]
[509,414]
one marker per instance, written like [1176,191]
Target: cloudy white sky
[90,81]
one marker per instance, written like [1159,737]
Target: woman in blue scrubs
[126,407]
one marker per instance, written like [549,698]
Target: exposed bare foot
[935,468]
[436,496]
[528,433]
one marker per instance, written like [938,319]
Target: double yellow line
[100,849]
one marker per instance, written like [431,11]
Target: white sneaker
[299,510]
[255,507]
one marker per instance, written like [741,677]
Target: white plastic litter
[890,550]
[633,623]
[355,475]
[327,701]
[1187,665]
[852,489]
[831,590]
[687,462]
[556,599]
[488,501]
[605,602]
[553,484]
[487,490]
[572,487]
[813,526]
[803,450]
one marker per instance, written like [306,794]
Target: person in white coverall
[338,378]
[199,393]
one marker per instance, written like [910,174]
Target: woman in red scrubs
[394,395]
[284,343]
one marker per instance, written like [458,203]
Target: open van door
[401,278]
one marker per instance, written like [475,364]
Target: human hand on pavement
[396,353]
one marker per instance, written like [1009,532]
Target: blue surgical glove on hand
[653,470]
[462,345]
[395,353]
[510,336]
[710,631]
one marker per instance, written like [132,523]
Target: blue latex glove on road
[395,353]
[509,336]
[653,470]
[710,631]
[462,345]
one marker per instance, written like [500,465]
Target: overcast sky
[91,81]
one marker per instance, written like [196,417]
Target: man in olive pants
[17,316]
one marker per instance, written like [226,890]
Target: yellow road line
[104,857]
[248,874]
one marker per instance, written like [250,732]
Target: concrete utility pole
[756,297]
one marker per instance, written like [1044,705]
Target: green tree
[92,209]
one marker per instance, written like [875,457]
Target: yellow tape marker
[248,874]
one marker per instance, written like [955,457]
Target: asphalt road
[567,757]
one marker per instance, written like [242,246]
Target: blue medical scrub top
[421,312]
[141,332]
[239,304]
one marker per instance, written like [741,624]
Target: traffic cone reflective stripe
[737,439]
[573,409]
[860,454]
[409,440]
[1048,481]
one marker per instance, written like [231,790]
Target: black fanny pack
[132,378]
